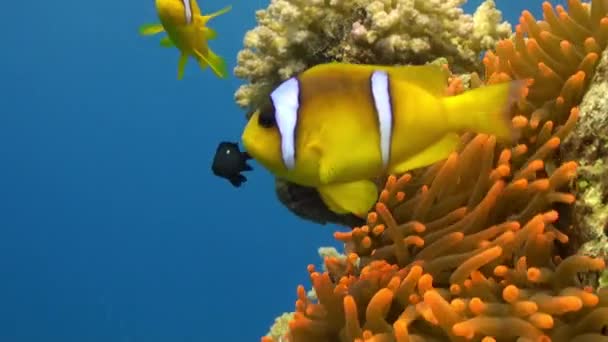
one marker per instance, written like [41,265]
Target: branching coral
[293,35]
[468,249]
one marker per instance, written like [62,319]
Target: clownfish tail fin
[487,109]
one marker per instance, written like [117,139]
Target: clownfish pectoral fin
[215,62]
[181,65]
[355,198]
[166,42]
[151,29]
[434,153]
[205,18]
[327,173]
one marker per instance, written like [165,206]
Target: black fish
[229,162]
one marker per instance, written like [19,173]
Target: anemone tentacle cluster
[470,249]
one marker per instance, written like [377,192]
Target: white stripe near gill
[285,99]
[380,92]
[187,11]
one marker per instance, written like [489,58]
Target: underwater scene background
[112,226]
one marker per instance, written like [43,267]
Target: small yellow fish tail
[215,62]
[486,109]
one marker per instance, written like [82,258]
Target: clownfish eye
[266,118]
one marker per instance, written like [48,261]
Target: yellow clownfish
[186,29]
[338,127]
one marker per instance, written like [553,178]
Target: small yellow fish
[339,127]
[186,29]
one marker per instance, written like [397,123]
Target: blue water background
[112,227]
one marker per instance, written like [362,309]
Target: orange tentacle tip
[510,293]
[378,230]
[390,182]
[455,289]
[343,236]
[501,270]
[372,218]
[550,216]
[382,209]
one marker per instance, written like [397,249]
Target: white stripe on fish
[287,104]
[187,11]
[382,101]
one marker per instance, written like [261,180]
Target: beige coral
[293,35]
[589,145]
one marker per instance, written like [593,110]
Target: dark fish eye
[266,118]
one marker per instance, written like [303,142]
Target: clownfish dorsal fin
[430,77]
[355,198]
[322,70]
